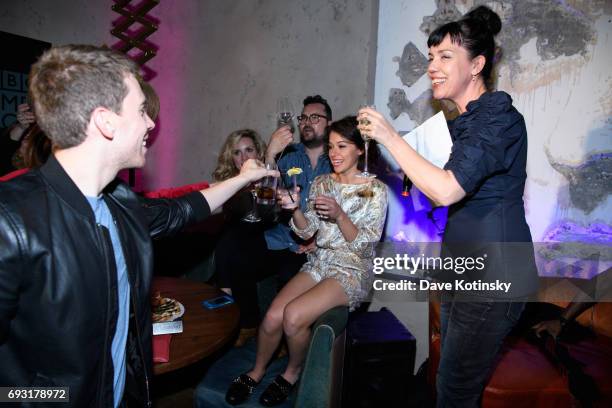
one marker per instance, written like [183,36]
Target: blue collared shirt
[104,218]
[280,236]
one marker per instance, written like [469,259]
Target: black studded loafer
[240,389]
[276,393]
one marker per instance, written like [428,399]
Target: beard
[314,140]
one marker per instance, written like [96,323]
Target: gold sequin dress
[348,262]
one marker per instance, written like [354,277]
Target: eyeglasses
[314,118]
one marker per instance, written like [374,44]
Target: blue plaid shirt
[280,236]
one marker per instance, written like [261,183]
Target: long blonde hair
[225,163]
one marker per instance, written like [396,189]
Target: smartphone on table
[217,302]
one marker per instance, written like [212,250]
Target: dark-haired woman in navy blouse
[483,183]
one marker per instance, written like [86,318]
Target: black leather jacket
[58,283]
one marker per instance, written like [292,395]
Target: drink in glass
[266,190]
[253,215]
[285,111]
[366,140]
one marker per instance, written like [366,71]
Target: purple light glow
[172,40]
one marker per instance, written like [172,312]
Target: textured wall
[222,65]
[556,66]
[58,22]
[557,69]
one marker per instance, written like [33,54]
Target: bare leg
[301,313]
[271,329]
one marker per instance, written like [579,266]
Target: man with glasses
[309,155]
[274,249]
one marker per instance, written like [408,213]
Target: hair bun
[487,17]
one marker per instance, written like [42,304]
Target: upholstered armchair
[526,377]
[321,379]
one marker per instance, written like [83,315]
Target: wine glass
[366,140]
[284,109]
[253,215]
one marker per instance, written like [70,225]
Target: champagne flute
[253,215]
[366,140]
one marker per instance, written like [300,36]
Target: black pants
[242,259]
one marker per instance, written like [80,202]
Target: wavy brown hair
[35,147]
[225,164]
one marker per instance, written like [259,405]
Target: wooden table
[204,331]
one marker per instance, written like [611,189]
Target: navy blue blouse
[489,159]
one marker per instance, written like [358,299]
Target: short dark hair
[319,99]
[475,32]
[347,128]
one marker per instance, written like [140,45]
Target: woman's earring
[474,77]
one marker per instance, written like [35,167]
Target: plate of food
[166,309]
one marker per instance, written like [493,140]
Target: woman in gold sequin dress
[347,214]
